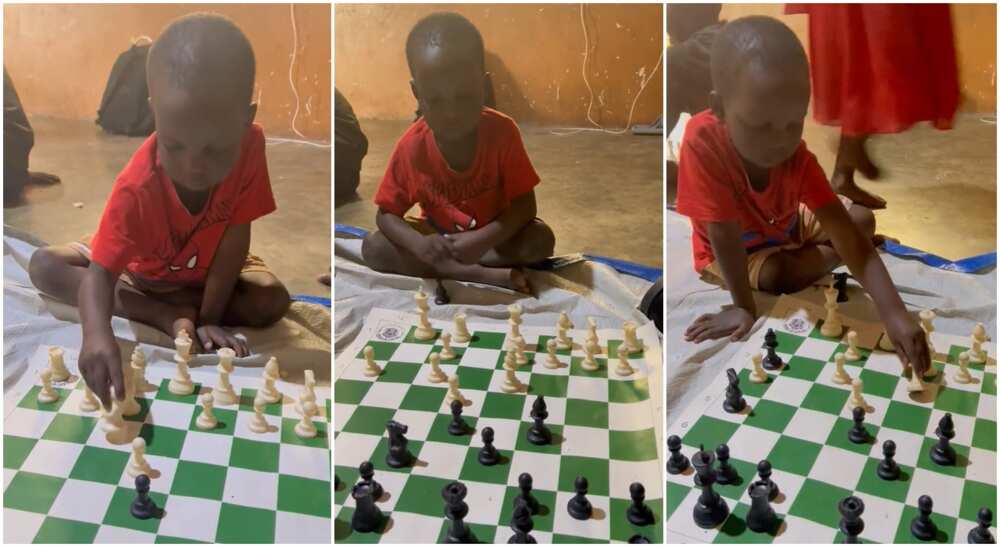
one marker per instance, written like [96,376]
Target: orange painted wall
[59,56]
[974,26]
[535,52]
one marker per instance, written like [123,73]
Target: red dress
[880,68]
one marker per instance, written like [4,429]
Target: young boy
[467,168]
[172,246]
[762,211]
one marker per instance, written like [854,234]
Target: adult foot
[852,154]
[843,184]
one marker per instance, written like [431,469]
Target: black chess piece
[521,523]
[455,510]
[367,472]
[525,483]
[457,427]
[441,294]
[143,507]
[639,538]
[922,527]
[981,533]
[840,283]
[771,361]
[638,512]
[367,516]
[488,454]
[851,524]
[942,453]
[711,510]
[858,434]
[727,473]
[398,455]
[734,397]
[538,433]
[887,468]
[761,517]
[764,474]
[579,506]
[677,462]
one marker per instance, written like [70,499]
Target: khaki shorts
[810,232]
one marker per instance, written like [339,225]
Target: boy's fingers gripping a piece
[117,380]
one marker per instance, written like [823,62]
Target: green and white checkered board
[603,424]
[799,420]
[65,483]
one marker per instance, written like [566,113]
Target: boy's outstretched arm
[100,362]
[219,285]
[863,261]
[472,245]
[737,320]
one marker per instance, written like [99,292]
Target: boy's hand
[467,247]
[213,337]
[101,367]
[910,341]
[436,248]
[734,322]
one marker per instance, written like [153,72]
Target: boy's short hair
[755,40]
[445,29]
[199,46]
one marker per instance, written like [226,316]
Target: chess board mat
[65,483]
[799,421]
[603,426]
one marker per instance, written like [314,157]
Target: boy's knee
[374,250]
[777,276]
[268,302]
[864,219]
[42,264]
[538,243]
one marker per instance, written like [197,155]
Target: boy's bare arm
[219,285]
[737,320]
[429,249]
[100,361]
[472,245]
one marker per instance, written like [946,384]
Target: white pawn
[371,367]
[437,376]
[57,365]
[632,342]
[564,321]
[446,352]
[137,463]
[857,399]
[623,368]
[852,353]
[454,394]
[757,375]
[306,429]
[510,383]
[461,330]
[224,393]
[589,363]
[840,375]
[207,419]
[519,347]
[308,393]
[552,361]
[89,403]
[562,340]
[47,395]
[258,424]
[832,325]
[976,354]
[885,343]
[963,376]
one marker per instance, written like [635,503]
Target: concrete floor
[602,194]
[294,240]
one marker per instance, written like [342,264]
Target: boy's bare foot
[519,282]
[879,239]
[843,184]
[42,179]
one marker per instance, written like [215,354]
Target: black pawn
[579,506]
[398,455]
[524,482]
[851,524]
[711,510]
[522,524]
[922,527]
[638,512]
[639,538]
[858,434]
[367,472]
[488,454]
[734,397]
[942,452]
[887,468]
[143,507]
[727,473]
[771,361]
[677,462]
[457,427]
[455,510]
[761,517]
[840,283]
[367,516]
[981,533]
[538,433]
[764,472]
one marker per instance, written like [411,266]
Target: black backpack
[125,105]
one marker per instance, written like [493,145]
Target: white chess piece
[47,395]
[564,321]
[885,343]
[857,399]
[137,462]
[840,375]
[632,342]
[515,313]
[224,392]
[519,347]
[509,361]
[589,363]
[976,353]
[461,330]
[592,341]
[306,429]
[130,406]
[424,330]
[552,361]
[258,423]
[437,376]
[89,403]
[563,341]
[510,383]
[182,344]
[207,419]
[515,331]
[181,383]
[963,376]
[269,393]
[112,423]
[916,383]
[446,352]
[453,393]
[927,323]
[371,367]
[852,353]
[623,368]
[832,325]
[308,393]
[757,375]
[58,365]
[138,364]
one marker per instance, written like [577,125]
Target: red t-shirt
[712,186]
[147,230]
[453,201]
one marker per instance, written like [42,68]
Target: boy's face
[198,138]
[449,87]
[764,114]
